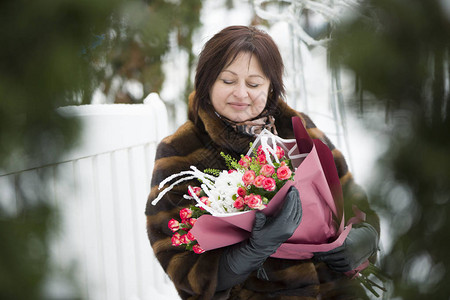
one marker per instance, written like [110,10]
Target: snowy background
[314,96]
[101,187]
[363,142]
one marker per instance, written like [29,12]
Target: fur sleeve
[194,275]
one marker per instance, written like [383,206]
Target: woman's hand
[360,244]
[268,233]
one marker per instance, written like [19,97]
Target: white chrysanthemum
[222,190]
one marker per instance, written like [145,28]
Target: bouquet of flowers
[226,200]
[248,184]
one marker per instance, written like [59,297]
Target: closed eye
[253,85]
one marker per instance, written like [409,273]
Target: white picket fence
[100,190]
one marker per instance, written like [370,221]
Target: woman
[238,92]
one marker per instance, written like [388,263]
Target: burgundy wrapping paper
[322,224]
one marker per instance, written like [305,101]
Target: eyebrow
[253,75]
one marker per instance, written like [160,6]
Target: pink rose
[197,190]
[258,182]
[255,202]
[190,236]
[280,152]
[245,161]
[259,151]
[284,173]
[185,213]
[176,239]
[241,191]
[192,221]
[205,200]
[262,159]
[174,225]
[248,177]
[267,170]
[197,249]
[185,239]
[247,198]
[282,164]
[269,184]
[231,171]
[239,203]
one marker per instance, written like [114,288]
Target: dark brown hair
[223,48]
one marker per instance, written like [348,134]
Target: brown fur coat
[195,276]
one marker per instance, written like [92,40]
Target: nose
[240,91]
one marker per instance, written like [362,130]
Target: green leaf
[231,162]
[214,172]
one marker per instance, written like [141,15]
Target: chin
[238,119]
[241,116]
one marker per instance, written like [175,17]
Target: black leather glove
[268,233]
[360,244]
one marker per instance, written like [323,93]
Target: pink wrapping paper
[322,224]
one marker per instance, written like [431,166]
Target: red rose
[255,202]
[197,190]
[205,200]
[284,173]
[245,161]
[185,213]
[241,191]
[174,225]
[259,151]
[192,221]
[280,152]
[258,182]
[267,170]
[185,239]
[262,159]
[176,239]
[269,184]
[197,249]
[248,177]
[239,203]
[190,236]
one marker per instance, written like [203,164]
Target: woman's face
[240,91]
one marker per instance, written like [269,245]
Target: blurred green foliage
[135,46]
[400,52]
[42,67]
[56,53]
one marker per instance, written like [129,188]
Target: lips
[238,105]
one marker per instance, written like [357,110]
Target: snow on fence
[100,189]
